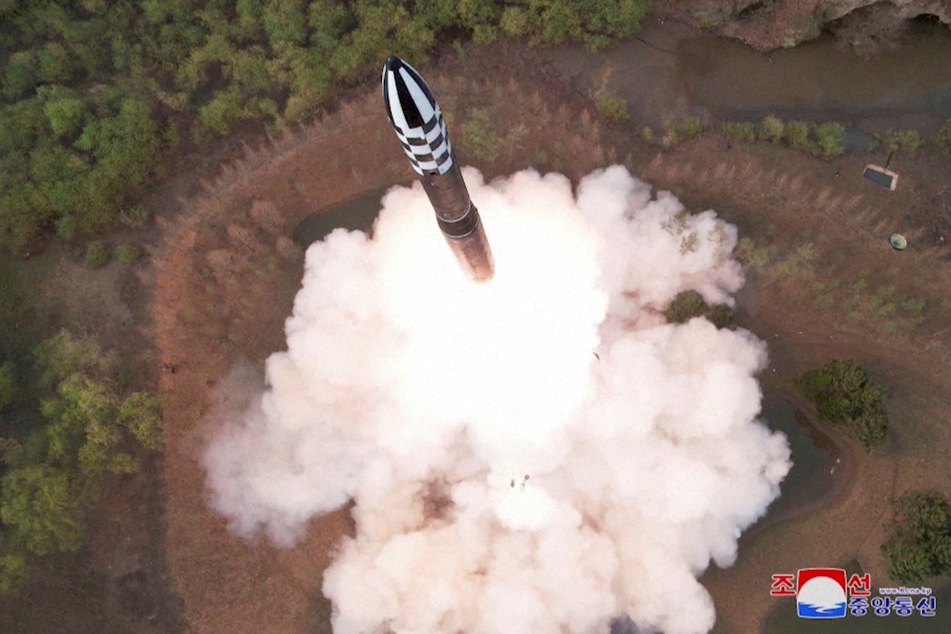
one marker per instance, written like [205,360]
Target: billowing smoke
[541,453]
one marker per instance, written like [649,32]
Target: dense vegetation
[844,394]
[919,542]
[51,475]
[94,94]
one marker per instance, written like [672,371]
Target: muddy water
[355,214]
[817,463]
[671,72]
[819,80]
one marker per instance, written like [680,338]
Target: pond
[818,466]
[355,214]
[670,72]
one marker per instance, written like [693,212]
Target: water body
[356,214]
[672,71]
[817,463]
[820,80]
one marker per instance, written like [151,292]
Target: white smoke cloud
[505,479]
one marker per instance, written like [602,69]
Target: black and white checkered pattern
[416,118]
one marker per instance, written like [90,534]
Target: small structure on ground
[897,241]
[881,176]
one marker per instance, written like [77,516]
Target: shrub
[919,540]
[612,108]
[771,129]
[943,138]
[135,217]
[690,304]
[749,254]
[43,505]
[844,393]
[479,134]
[127,253]
[97,255]
[686,306]
[683,130]
[904,140]
[740,130]
[720,315]
[13,571]
[796,134]
[647,134]
[830,139]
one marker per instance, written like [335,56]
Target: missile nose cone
[414,115]
[409,102]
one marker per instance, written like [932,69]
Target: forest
[98,97]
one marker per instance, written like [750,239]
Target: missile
[421,130]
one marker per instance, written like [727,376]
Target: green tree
[43,506]
[919,541]
[844,393]
[10,451]
[904,140]
[690,304]
[20,74]
[285,22]
[91,430]
[612,107]
[830,138]
[13,571]
[63,355]
[139,413]
[796,135]
[65,114]
[771,129]
[56,63]
[686,306]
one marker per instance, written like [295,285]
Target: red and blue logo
[821,593]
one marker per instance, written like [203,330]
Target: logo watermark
[830,593]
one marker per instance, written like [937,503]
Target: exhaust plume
[539,453]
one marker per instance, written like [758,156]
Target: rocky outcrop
[771,24]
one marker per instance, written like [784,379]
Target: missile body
[420,127]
